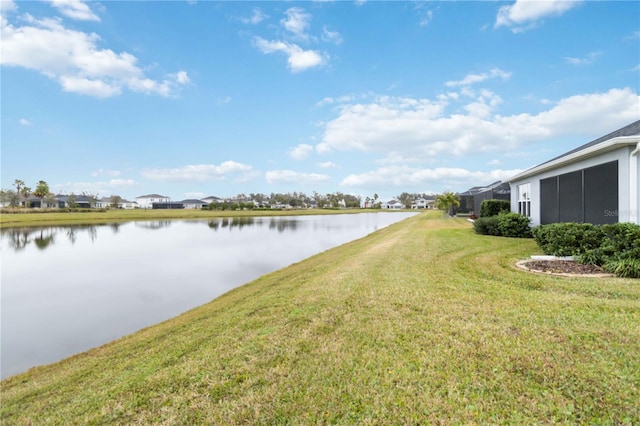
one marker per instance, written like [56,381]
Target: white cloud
[419,128]
[328,165]
[414,177]
[102,172]
[7,6]
[112,186]
[223,101]
[331,36]
[297,58]
[289,176]
[75,9]
[300,152]
[25,122]
[587,60]
[633,36]
[525,14]
[255,18]
[75,61]
[478,78]
[198,172]
[297,22]
[426,18]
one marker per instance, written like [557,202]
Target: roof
[193,201]
[152,196]
[632,129]
[478,189]
[627,135]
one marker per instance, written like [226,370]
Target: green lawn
[35,218]
[421,322]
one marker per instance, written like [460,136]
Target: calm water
[68,289]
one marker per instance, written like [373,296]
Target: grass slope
[420,322]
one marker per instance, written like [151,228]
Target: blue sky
[196,98]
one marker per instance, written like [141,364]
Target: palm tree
[447,201]
[25,191]
[42,190]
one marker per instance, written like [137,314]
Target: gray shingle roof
[632,129]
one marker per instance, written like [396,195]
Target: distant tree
[406,199]
[115,201]
[50,199]
[72,201]
[10,197]
[447,201]
[18,184]
[25,191]
[93,198]
[42,190]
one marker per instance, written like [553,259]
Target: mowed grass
[34,218]
[422,322]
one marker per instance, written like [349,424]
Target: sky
[190,99]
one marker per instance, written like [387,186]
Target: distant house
[472,198]
[211,199]
[81,201]
[106,202]
[393,205]
[103,203]
[146,201]
[598,182]
[194,204]
[423,203]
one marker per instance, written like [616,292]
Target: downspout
[634,186]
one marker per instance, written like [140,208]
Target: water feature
[66,289]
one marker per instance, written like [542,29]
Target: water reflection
[283,225]
[44,236]
[126,278]
[153,224]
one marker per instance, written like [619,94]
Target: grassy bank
[34,218]
[421,322]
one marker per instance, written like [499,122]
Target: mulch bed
[562,267]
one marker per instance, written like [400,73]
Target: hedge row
[505,224]
[614,247]
[490,208]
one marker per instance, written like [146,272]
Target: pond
[66,289]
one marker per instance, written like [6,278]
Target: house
[77,201]
[146,201]
[423,203]
[598,182]
[106,202]
[393,205]
[194,204]
[211,199]
[472,198]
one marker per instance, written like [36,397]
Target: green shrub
[591,257]
[568,238]
[621,240]
[490,208]
[625,268]
[615,247]
[487,226]
[514,225]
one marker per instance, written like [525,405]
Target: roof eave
[589,152]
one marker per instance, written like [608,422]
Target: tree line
[22,193]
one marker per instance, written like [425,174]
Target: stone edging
[521,265]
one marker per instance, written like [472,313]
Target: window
[524,199]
